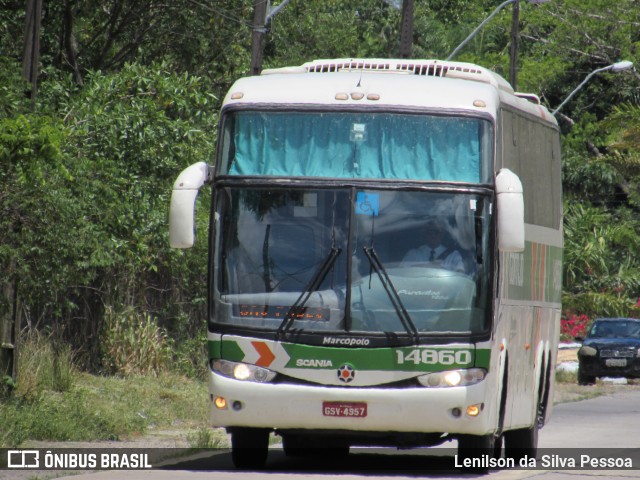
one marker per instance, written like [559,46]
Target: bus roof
[385,82]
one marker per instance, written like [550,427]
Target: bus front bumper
[287,406]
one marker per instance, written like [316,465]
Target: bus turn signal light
[474,410]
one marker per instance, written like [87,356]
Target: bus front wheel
[521,443]
[249,447]
[475,447]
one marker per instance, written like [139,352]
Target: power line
[223,13]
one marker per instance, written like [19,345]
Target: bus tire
[475,447]
[249,447]
[521,442]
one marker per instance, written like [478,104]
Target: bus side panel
[528,320]
[528,332]
[530,283]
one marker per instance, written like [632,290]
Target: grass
[568,390]
[105,408]
[53,401]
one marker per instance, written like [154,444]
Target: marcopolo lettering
[362,342]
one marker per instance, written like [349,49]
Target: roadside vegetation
[56,401]
[568,390]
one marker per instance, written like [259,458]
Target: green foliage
[39,225]
[84,194]
[601,304]
[602,272]
[44,364]
[106,408]
[133,132]
[624,120]
[12,88]
[204,437]
[304,31]
[54,401]
[128,97]
[565,41]
[190,356]
[134,344]
[565,376]
[138,129]
[624,147]
[590,179]
[66,416]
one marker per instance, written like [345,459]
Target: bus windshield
[376,145]
[352,260]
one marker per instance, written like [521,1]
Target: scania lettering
[307,362]
[385,253]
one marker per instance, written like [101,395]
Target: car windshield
[615,329]
[357,260]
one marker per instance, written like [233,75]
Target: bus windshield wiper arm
[403,315]
[298,307]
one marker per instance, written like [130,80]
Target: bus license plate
[616,362]
[344,409]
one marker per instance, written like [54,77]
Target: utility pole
[9,283]
[8,346]
[262,15]
[406,32]
[257,36]
[513,47]
[31,52]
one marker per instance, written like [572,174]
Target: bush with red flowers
[573,325]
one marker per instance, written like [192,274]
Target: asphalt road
[575,429]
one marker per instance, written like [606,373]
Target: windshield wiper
[298,307]
[478,231]
[401,311]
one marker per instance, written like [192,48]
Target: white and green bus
[385,258]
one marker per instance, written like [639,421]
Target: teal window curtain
[350,145]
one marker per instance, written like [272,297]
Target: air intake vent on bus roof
[432,68]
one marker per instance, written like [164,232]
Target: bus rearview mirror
[510,211]
[182,209]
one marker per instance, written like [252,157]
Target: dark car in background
[610,349]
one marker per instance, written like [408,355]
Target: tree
[130,133]
[128,95]
[31,170]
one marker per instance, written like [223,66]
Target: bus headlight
[242,371]
[453,378]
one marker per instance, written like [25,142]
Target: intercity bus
[328,323]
